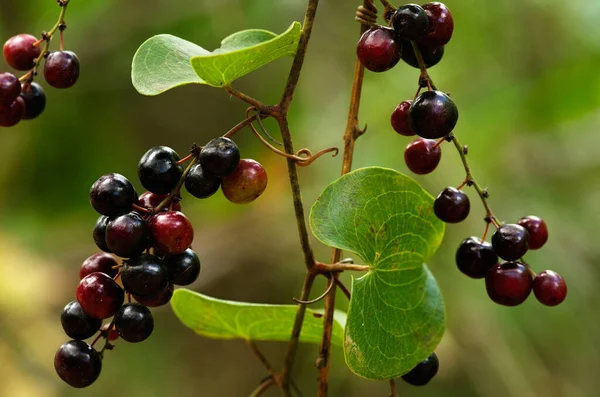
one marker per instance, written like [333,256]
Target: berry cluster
[22,98]
[153,236]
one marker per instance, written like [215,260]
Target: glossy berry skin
[99,233]
[10,88]
[151,200]
[431,55]
[423,372]
[158,169]
[20,51]
[399,119]
[77,323]
[510,241]
[127,235]
[172,232]
[441,25]
[379,49]
[102,263]
[537,229]
[183,268]
[77,363]
[99,295]
[452,205]
[433,115]
[549,288]
[201,184]
[410,22]
[11,115]
[146,276]
[422,156]
[475,258]
[219,157]
[61,69]
[156,301]
[134,322]
[112,194]
[246,183]
[35,100]
[508,283]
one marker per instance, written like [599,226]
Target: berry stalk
[177,189]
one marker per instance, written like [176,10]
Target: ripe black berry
[172,232]
[10,88]
[158,169]
[103,263]
[99,295]
[431,55]
[20,51]
[422,156]
[200,183]
[220,156]
[441,25]
[61,69]
[400,119]
[112,194]
[183,268]
[549,288]
[77,363]
[159,300]
[134,322]
[77,323]
[452,205]
[537,229]
[510,241]
[508,283]
[410,22]
[246,183]
[475,258]
[99,233]
[146,276]
[379,49]
[35,100]
[127,235]
[423,372]
[11,114]
[433,115]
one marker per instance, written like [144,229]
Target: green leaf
[396,314]
[222,319]
[164,61]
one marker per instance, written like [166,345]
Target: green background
[525,78]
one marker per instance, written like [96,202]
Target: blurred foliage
[526,81]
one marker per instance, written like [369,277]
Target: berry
[510,241]
[10,88]
[158,169]
[183,268]
[146,276]
[102,263]
[20,51]
[508,283]
[201,184]
[423,372]
[452,205]
[246,183]
[441,25]
[410,22]
[537,229]
[159,300]
[475,258]
[99,295]
[151,200]
[11,115]
[379,49]
[400,119]
[549,288]
[431,55]
[77,323]
[172,232]
[111,333]
[127,235]
[422,156]
[134,322]
[220,156]
[112,194]
[77,363]
[61,69]
[35,100]
[433,115]
[99,233]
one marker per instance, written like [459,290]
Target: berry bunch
[154,237]
[22,98]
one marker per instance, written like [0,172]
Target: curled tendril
[388,10]
[367,15]
[310,302]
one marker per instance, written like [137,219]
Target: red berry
[152,200]
[538,232]
[20,51]
[549,288]
[172,232]
[61,69]
[441,25]
[102,263]
[11,115]
[400,119]
[379,49]
[422,156]
[508,283]
[246,183]
[10,88]
[99,295]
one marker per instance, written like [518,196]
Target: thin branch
[393,392]
[324,268]
[240,126]
[255,103]
[261,357]
[344,289]
[263,387]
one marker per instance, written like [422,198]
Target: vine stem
[177,188]
[393,392]
[263,387]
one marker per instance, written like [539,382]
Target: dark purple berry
[61,69]
[102,263]
[99,295]
[77,323]
[10,115]
[146,276]
[20,51]
[158,169]
[10,88]
[452,205]
[423,372]
[127,235]
[431,55]
[508,283]
[510,241]
[422,156]
[400,119]
[441,25]
[246,183]
[220,156]
[475,258]
[379,49]
[35,100]
[410,22]
[183,268]
[134,322]
[155,301]
[77,363]
[99,233]
[433,115]
[112,194]
[172,232]
[537,229]
[549,288]
[201,184]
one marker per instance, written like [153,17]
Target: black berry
[10,88]
[549,288]
[61,69]
[422,156]
[77,363]
[99,295]
[410,22]
[400,119]
[146,276]
[433,115]
[158,169]
[220,156]
[475,258]
[77,323]
[537,229]
[112,194]
[99,233]
[510,241]
[162,299]
[20,51]
[201,184]
[379,49]
[127,235]
[452,205]
[183,268]
[35,100]
[508,283]
[134,322]
[431,55]
[423,372]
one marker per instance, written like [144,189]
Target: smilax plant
[395,317]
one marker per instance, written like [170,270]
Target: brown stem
[325,268]
[175,192]
[393,392]
[263,387]
[343,288]
[255,103]
[261,357]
